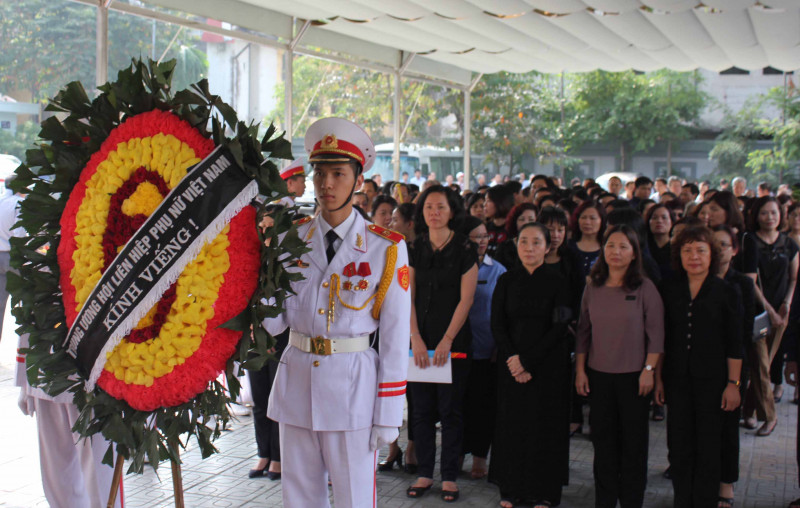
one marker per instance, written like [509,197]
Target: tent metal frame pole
[396,114]
[288,89]
[468,130]
[288,94]
[271,43]
[101,53]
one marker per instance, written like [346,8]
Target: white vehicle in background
[8,163]
[626,177]
[427,159]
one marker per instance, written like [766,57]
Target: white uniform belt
[325,347]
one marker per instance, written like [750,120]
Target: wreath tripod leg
[177,477]
[117,479]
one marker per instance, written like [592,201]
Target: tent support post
[468,129]
[101,53]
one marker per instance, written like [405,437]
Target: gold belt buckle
[321,346]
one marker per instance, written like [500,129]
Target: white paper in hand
[430,374]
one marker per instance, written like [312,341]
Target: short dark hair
[691,234]
[580,193]
[513,215]
[730,232]
[538,225]
[472,199]
[514,185]
[406,211]
[552,214]
[619,203]
[469,223]
[576,228]
[372,182]
[692,188]
[454,201]
[628,217]
[642,180]
[634,275]
[381,199]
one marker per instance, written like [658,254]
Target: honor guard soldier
[295,177]
[338,400]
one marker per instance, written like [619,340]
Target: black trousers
[445,403]
[480,408]
[694,437]
[267,434]
[620,432]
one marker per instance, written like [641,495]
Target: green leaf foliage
[51,170]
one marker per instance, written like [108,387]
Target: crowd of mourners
[553,302]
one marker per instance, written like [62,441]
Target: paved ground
[768,469]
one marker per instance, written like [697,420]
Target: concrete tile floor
[768,468]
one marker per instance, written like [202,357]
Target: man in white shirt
[9,213]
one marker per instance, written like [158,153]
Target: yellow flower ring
[177,348]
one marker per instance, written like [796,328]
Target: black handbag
[761,323]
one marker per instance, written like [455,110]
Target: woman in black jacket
[728,243]
[700,376]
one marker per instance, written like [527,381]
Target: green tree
[46,44]
[773,164]
[514,115]
[634,110]
[732,146]
[323,88]
[18,142]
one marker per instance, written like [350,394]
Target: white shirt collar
[342,229]
[487,260]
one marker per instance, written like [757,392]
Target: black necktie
[330,250]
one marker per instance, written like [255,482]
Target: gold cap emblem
[329,141]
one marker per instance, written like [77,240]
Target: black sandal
[417,492]
[795,503]
[542,503]
[450,496]
[726,501]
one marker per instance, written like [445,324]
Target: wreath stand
[177,477]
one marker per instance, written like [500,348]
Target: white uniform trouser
[73,475]
[307,459]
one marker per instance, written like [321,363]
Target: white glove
[381,435]
[25,402]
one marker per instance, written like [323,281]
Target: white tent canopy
[455,42]
[486,36]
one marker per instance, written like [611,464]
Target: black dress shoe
[272,475]
[257,473]
[388,464]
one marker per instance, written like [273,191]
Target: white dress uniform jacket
[345,391]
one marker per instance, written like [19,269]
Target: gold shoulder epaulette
[303,220]
[390,235]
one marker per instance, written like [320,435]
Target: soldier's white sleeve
[395,329]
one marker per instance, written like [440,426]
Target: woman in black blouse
[659,220]
[728,248]
[444,275]
[530,313]
[499,202]
[702,364]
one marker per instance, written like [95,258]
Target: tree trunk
[622,157]
[669,158]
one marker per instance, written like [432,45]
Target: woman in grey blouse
[621,330]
